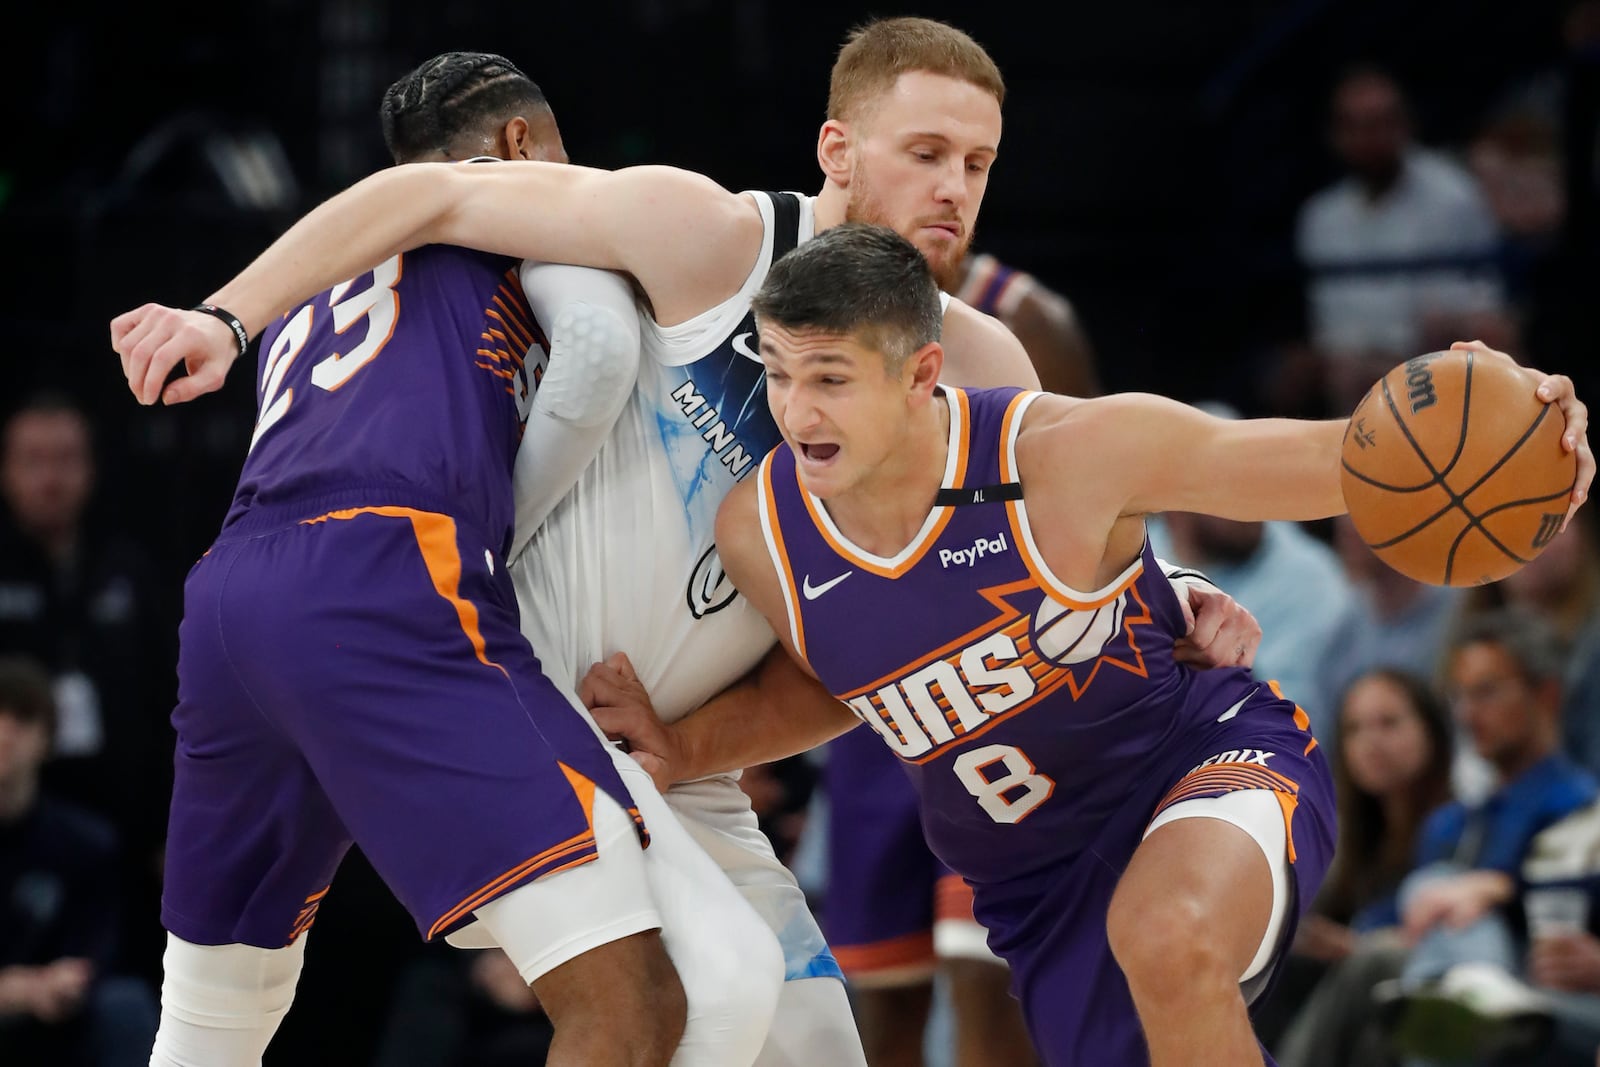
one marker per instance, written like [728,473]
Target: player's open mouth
[818,453]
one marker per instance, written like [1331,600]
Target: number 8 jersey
[1026,712]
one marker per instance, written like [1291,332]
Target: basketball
[1453,470]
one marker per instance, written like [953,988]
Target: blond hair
[877,52]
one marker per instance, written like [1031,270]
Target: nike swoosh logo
[1231,712]
[813,591]
[741,346]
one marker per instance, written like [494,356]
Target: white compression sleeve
[221,1004]
[593,326]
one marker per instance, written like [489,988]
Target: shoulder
[738,526]
[981,352]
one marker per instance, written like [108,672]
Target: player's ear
[924,366]
[833,151]
[518,140]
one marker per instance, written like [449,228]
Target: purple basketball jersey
[351,664]
[1042,726]
[357,394]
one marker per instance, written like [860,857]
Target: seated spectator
[1545,1013]
[1396,622]
[1404,237]
[1504,673]
[61,1004]
[79,598]
[1391,767]
[1562,585]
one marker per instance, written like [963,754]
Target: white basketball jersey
[627,562]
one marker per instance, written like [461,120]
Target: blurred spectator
[1396,622]
[1400,251]
[464,1009]
[1545,1012]
[79,599]
[1391,767]
[1504,672]
[1289,579]
[1562,586]
[61,1004]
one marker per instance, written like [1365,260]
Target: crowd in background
[1463,725]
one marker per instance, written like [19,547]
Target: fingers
[1207,622]
[1187,596]
[605,686]
[152,340]
[620,662]
[207,379]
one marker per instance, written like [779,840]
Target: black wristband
[239,333]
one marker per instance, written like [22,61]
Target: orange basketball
[1453,470]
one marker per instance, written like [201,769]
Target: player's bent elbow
[594,362]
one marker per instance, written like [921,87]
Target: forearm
[380,216]
[775,711]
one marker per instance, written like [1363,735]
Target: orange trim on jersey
[511,318]
[908,950]
[1301,719]
[952,900]
[930,532]
[534,867]
[785,571]
[436,537]
[1016,515]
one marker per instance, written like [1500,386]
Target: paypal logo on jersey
[969,557]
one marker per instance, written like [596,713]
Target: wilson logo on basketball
[1419,383]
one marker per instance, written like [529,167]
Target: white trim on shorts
[1258,813]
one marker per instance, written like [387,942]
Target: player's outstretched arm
[1138,454]
[675,231]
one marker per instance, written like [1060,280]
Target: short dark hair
[856,279]
[26,693]
[1533,644]
[453,95]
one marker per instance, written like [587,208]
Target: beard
[945,261]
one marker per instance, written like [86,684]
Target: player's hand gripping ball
[1453,469]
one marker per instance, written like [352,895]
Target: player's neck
[831,206]
[886,510]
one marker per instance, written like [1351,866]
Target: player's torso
[1023,710]
[627,562]
[411,379]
